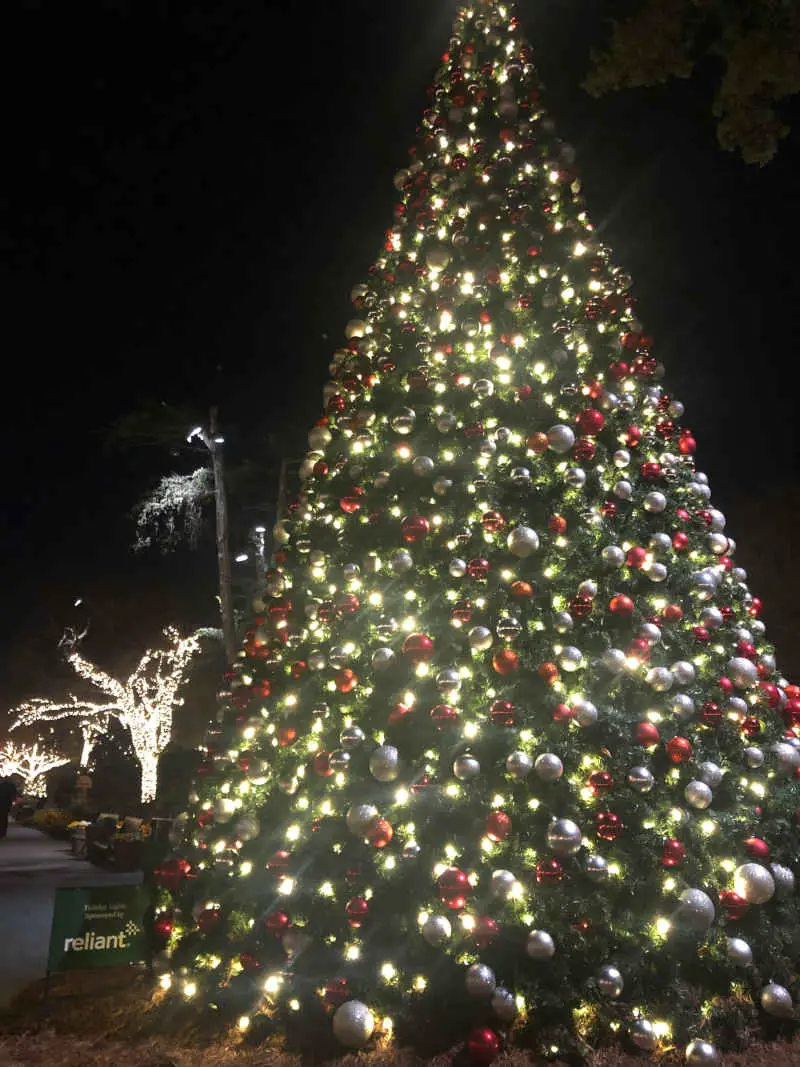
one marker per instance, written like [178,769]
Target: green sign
[98,927]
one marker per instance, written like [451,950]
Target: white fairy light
[31,764]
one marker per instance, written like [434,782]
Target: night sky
[188,194]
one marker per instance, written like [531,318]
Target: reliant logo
[92,942]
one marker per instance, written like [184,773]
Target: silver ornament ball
[563,837]
[711,774]
[776,1000]
[641,779]
[519,765]
[548,767]
[504,1005]
[698,794]
[643,1035]
[540,945]
[702,1054]
[522,542]
[436,930]
[480,980]
[466,767]
[353,1024]
[596,868]
[610,982]
[383,763]
[739,952]
[695,910]
[754,883]
[501,884]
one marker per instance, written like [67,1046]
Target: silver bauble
[698,794]
[588,588]
[383,658]
[614,660]
[480,980]
[351,737]
[711,774]
[360,817]
[612,556]
[741,672]
[422,466]
[457,568]
[657,572]
[586,713]
[570,659]
[621,458]
[224,808]
[650,632]
[384,763]
[718,543]
[247,827]
[548,767]
[501,884]
[353,1024]
[788,758]
[508,628]
[754,883]
[520,477]
[339,760]
[754,756]
[660,543]
[318,438]
[563,837]
[480,638]
[641,779]
[560,438]
[739,952]
[610,982]
[737,706]
[660,679]
[623,490]
[704,584]
[400,561]
[711,618]
[643,1035]
[683,672]
[563,622]
[403,420]
[682,705]
[702,1054]
[654,502]
[436,930]
[316,660]
[596,868]
[522,542]
[504,1005]
[695,910]
[437,257]
[783,878]
[466,767]
[777,1000]
[519,765]
[445,422]
[575,477]
[540,945]
[448,682]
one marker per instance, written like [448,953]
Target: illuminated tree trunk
[148,761]
[223,547]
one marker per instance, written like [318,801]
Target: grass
[110,1018]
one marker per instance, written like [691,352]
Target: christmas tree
[506,755]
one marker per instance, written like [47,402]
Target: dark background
[188,193]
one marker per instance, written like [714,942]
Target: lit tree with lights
[31,764]
[507,755]
[90,718]
[144,702]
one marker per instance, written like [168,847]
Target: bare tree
[31,764]
[91,718]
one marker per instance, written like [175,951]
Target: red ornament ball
[380,833]
[356,910]
[498,826]
[278,862]
[549,871]
[492,521]
[548,672]
[250,964]
[537,443]
[453,888]
[680,541]
[322,765]
[171,873]
[503,713]
[557,524]
[647,734]
[505,661]
[757,849]
[590,422]
[673,853]
[734,905]
[414,528]
[443,715]
[336,992]
[345,680]
[485,931]
[462,610]
[352,501]
[687,445]
[483,1045]
[621,605]
[673,613]
[563,713]
[751,727]
[600,782]
[208,920]
[163,926]
[636,557]
[277,923]
[521,590]
[609,825]
[679,749]
[478,568]
[418,648]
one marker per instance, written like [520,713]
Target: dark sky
[189,191]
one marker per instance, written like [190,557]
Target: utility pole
[213,443]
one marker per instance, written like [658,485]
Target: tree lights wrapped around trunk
[507,755]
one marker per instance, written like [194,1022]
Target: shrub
[53,822]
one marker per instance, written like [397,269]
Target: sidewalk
[32,867]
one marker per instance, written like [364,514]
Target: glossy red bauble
[621,605]
[711,713]
[687,445]
[277,923]
[453,888]
[679,749]
[356,910]
[492,521]
[647,734]
[563,713]
[462,610]
[548,672]
[163,926]
[673,853]
[414,528]
[485,931]
[557,524]
[636,557]
[478,568]
[600,782]
[549,871]
[171,872]
[680,541]
[520,590]
[757,849]
[590,422]
[418,648]
[483,1045]
[278,862]
[537,443]
[750,727]
[322,765]
[609,825]
[250,964]
[505,661]
[673,613]
[208,920]
[380,833]
[735,906]
[498,826]
[444,715]
[345,680]
[352,501]
[503,713]
[336,992]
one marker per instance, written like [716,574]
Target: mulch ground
[106,1019]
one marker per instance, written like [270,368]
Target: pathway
[32,866]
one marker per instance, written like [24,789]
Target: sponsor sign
[100,926]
